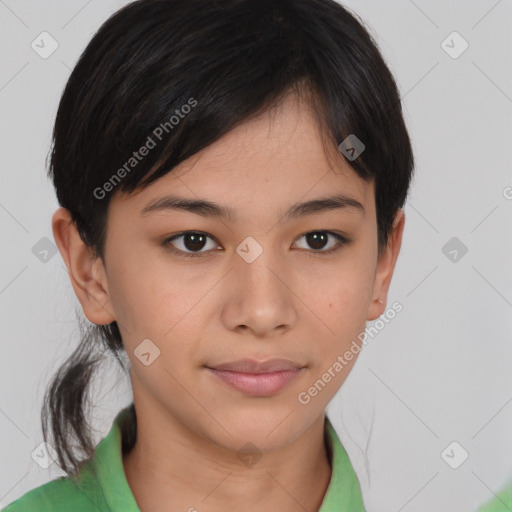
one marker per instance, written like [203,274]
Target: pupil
[317,238]
[195,238]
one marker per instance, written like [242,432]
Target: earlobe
[86,272]
[385,267]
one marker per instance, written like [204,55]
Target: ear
[86,272]
[385,267]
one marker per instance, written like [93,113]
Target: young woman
[231,175]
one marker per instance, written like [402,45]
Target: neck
[171,468]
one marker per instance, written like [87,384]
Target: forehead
[269,162]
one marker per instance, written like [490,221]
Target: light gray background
[439,372]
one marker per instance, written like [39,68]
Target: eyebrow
[209,209]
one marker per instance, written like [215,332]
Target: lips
[253,366]
[257,378]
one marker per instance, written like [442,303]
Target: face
[260,283]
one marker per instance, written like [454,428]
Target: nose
[261,299]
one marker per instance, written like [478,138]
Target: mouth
[253,366]
[257,379]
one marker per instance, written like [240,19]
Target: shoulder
[100,484]
[501,503]
[59,495]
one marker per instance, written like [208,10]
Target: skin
[293,301]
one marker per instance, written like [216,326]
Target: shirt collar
[343,493]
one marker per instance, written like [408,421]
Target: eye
[318,239]
[192,241]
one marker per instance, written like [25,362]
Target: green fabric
[109,491]
[502,502]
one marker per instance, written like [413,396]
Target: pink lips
[257,378]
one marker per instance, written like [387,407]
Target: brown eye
[317,241]
[190,243]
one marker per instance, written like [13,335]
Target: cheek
[343,310]
[153,300]
[341,303]
[343,296]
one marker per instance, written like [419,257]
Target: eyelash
[342,241]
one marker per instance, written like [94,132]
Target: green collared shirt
[102,484]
